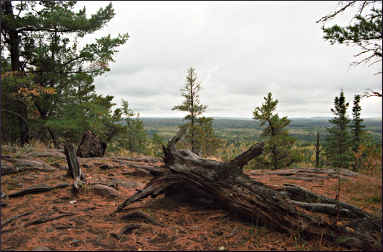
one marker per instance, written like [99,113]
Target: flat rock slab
[138,159]
[41,248]
[46,154]
[15,165]
[304,172]
[300,178]
[127,184]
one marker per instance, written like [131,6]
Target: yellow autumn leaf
[51,90]
[35,92]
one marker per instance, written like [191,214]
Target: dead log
[74,169]
[288,209]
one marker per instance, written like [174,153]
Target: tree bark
[13,42]
[74,169]
[284,209]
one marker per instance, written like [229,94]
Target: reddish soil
[182,226]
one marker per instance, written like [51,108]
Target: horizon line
[240,117]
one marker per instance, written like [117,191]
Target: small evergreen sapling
[278,143]
[338,142]
[200,134]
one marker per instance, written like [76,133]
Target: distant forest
[301,128]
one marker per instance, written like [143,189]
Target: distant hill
[372,124]
[244,129]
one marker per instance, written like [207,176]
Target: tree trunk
[23,126]
[283,209]
[54,139]
[13,41]
[74,169]
[317,151]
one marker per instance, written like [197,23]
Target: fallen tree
[288,209]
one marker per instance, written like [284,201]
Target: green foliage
[317,151]
[365,31]
[278,151]
[15,106]
[132,137]
[356,124]
[200,134]
[206,139]
[156,145]
[338,142]
[190,92]
[42,42]
[356,131]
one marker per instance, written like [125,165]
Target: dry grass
[123,153]
[34,145]
[365,192]
[39,146]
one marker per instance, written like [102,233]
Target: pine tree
[278,144]
[42,40]
[338,142]
[191,105]
[364,32]
[356,130]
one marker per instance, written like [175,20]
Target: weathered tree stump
[91,146]
[289,209]
[74,169]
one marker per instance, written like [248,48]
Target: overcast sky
[241,51]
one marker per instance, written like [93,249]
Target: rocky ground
[40,212]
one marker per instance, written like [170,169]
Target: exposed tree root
[36,189]
[46,219]
[137,215]
[15,218]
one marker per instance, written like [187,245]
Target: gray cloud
[241,51]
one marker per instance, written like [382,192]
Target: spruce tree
[338,142]
[191,105]
[356,130]
[356,124]
[278,144]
